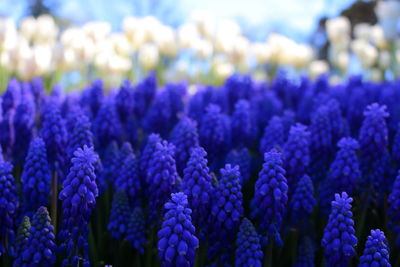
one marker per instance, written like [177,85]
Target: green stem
[92,246]
[268,254]
[149,250]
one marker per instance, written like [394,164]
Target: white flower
[337,29]
[318,67]
[166,41]
[384,60]
[187,35]
[378,37]
[121,44]
[362,31]
[46,30]
[261,53]
[28,27]
[366,53]
[8,34]
[97,30]
[148,56]
[342,60]
[42,57]
[303,56]
[240,49]
[203,48]
[118,64]
[204,22]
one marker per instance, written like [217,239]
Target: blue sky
[295,18]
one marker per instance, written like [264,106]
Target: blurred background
[198,40]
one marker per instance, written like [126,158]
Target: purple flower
[184,137]
[162,177]
[271,195]
[296,153]
[376,252]
[177,242]
[40,247]
[78,198]
[226,213]
[36,177]
[248,252]
[9,204]
[196,184]
[244,130]
[273,136]
[119,216]
[339,239]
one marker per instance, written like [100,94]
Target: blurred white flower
[303,56]
[378,37]
[25,62]
[318,67]
[166,42]
[261,53]
[337,29]
[342,61]
[362,31]
[388,13]
[239,50]
[42,57]
[97,30]
[225,36]
[366,53]
[221,68]
[148,56]
[204,21]
[28,27]
[46,30]
[118,64]
[203,48]
[187,35]
[384,60]
[8,34]
[121,44]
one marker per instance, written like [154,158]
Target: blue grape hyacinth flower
[376,252]
[119,216]
[271,195]
[78,198]
[248,251]
[339,237]
[40,247]
[196,184]
[162,178]
[9,205]
[36,177]
[184,137]
[177,242]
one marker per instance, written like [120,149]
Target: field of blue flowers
[295,172]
